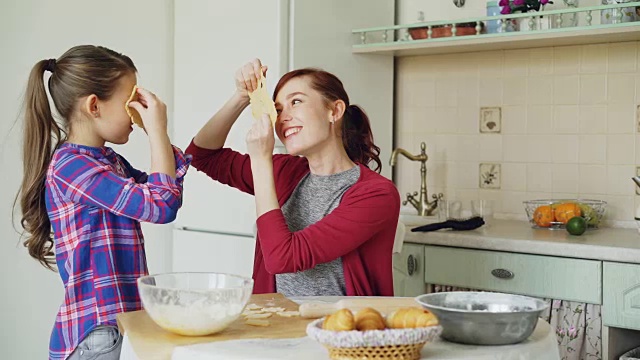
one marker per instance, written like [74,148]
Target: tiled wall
[568,126]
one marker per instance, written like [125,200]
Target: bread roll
[369,319]
[411,318]
[341,320]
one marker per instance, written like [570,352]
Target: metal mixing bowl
[484,318]
[194,304]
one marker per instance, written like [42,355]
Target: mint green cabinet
[621,299]
[408,271]
[534,275]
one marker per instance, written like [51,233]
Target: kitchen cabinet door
[213,38]
[621,299]
[534,275]
[195,251]
[408,271]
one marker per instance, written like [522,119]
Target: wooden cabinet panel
[621,298]
[535,275]
[408,271]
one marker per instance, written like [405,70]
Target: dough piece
[369,319]
[288,313]
[273,309]
[261,103]
[252,312]
[411,318]
[133,113]
[257,322]
[253,307]
[341,320]
[258,316]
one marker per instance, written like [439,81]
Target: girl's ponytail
[81,71]
[41,136]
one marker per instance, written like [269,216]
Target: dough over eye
[261,103]
[133,113]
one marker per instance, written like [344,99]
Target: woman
[326,222]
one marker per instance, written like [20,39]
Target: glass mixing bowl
[194,304]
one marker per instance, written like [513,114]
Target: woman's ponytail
[358,138]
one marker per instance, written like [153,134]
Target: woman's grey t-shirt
[313,199]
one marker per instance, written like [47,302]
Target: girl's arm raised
[85,180]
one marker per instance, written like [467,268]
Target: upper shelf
[537,29]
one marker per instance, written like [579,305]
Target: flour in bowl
[200,318]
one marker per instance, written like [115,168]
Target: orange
[543,216]
[566,211]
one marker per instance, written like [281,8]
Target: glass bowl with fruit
[558,213]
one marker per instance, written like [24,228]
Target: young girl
[82,202]
[326,222]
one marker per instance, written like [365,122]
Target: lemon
[589,213]
[576,225]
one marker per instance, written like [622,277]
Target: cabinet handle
[502,273]
[412,265]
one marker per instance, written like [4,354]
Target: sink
[410,217]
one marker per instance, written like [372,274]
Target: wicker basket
[400,344]
[399,352]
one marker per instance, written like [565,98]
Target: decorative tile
[490,120]
[490,174]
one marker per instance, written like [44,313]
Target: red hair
[357,137]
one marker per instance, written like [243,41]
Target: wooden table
[152,342]
[145,340]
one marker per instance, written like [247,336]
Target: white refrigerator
[215,229]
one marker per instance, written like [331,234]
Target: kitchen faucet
[424,207]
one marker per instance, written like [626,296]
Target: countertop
[607,244]
[540,345]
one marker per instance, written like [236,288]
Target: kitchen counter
[606,244]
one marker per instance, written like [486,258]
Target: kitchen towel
[399,238]
[468,224]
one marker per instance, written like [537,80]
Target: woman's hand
[152,111]
[260,140]
[248,78]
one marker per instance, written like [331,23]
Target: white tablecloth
[541,344]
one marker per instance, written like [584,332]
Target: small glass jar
[495,26]
[612,16]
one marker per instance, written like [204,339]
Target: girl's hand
[248,77]
[152,111]
[260,140]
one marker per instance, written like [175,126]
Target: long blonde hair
[79,72]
